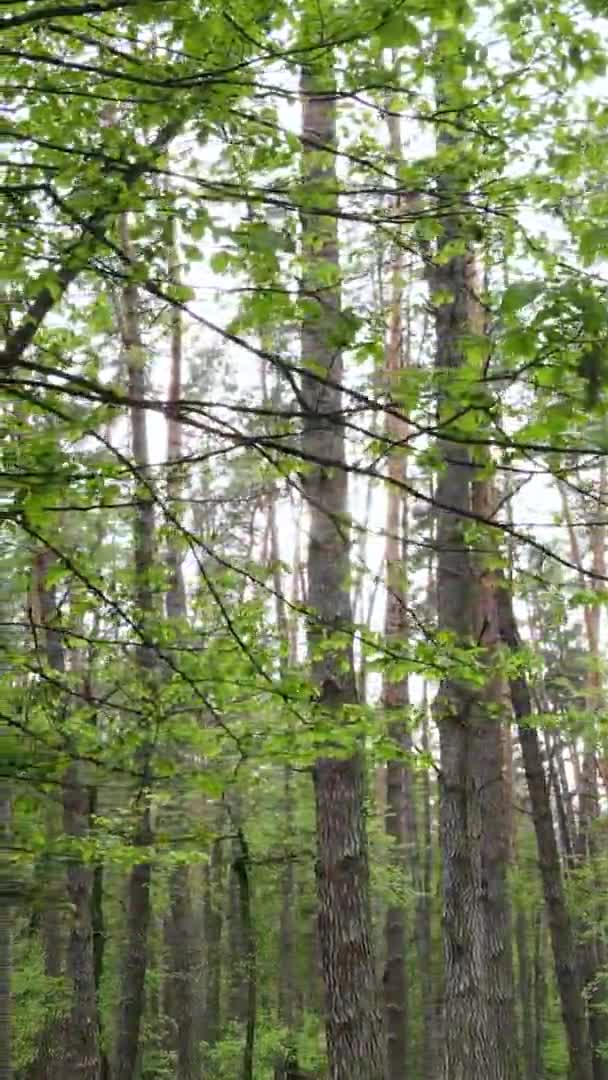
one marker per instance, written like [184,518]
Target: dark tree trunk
[560,924]
[80,1041]
[353,1016]
[237,987]
[212,932]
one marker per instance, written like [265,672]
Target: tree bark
[399,803]
[81,1053]
[560,924]
[134,966]
[474,935]
[353,1017]
[180,935]
[212,930]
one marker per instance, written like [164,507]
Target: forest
[303,540]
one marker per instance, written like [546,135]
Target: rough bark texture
[474,1049]
[354,1022]
[560,923]
[495,799]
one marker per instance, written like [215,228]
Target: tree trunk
[180,919]
[353,1017]
[469,736]
[395,694]
[560,925]
[7,898]
[212,930]
[81,1054]
[134,966]
[495,798]
[432,1037]
[540,996]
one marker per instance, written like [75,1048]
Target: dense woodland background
[303,509]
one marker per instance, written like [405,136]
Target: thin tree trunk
[540,996]
[81,1055]
[560,924]
[134,966]
[7,899]
[591,947]
[431,1016]
[241,868]
[180,918]
[395,694]
[212,930]
[287,923]
[353,1016]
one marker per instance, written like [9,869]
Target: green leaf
[519,295]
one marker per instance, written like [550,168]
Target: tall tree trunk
[560,924]
[432,1037]
[287,918]
[591,946]
[134,966]
[395,694]
[353,1017]
[469,735]
[495,798]
[81,1054]
[180,919]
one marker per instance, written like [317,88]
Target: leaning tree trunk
[353,1017]
[560,924]
[135,959]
